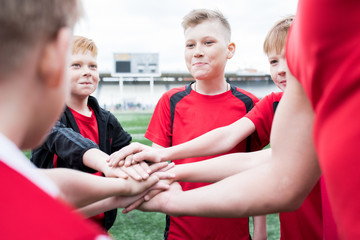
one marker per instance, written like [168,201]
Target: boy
[34,40]
[63,147]
[188,112]
[303,223]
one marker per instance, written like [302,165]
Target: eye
[209,43]
[273,62]
[75,65]
[93,66]
[190,45]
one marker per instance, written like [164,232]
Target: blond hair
[27,24]
[82,44]
[276,37]
[198,16]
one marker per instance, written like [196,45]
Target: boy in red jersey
[306,222]
[34,41]
[210,102]
[99,129]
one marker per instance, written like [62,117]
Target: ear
[54,57]
[231,50]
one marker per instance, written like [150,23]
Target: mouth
[198,64]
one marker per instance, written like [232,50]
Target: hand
[118,201]
[155,201]
[124,201]
[135,153]
[138,172]
[118,158]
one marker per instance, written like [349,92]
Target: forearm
[81,188]
[95,159]
[68,145]
[240,195]
[221,140]
[218,168]
[259,232]
[108,204]
[97,207]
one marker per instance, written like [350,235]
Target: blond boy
[208,103]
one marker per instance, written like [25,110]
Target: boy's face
[278,68]
[207,50]
[84,76]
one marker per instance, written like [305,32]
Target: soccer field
[150,226]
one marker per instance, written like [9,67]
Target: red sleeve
[159,129]
[262,116]
[44,218]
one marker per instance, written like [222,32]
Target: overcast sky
[154,26]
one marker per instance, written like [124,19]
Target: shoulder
[273,97]
[237,90]
[246,97]
[177,90]
[175,94]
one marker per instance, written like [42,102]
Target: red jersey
[306,222]
[183,114]
[323,54]
[89,129]
[262,116]
[28,207]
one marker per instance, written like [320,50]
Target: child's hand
[157,200]
[135,153]
[118,158]
[138,172]
[124,201]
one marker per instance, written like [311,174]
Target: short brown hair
[30,23]
[198,16]
[82,44]
[276,37]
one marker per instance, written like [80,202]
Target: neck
[17,102]
[80,105]
[206,87]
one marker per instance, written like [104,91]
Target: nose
[86,71]
[282,67]
[199,51]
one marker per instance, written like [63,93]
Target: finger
[151,194]
[121,163]
[164,175]
[157,166]
[117,156]
[152,182]
[119,173]
[128,160]
[130,171]
[114,159]
[146,167]
[168,167]
[151,155]
[139,169]
[133,206]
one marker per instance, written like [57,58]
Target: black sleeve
[68,145]
[120,137]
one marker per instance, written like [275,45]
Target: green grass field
[150,226]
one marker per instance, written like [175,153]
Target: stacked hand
[136,154]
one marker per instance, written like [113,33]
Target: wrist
[164,154]
[95,159]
